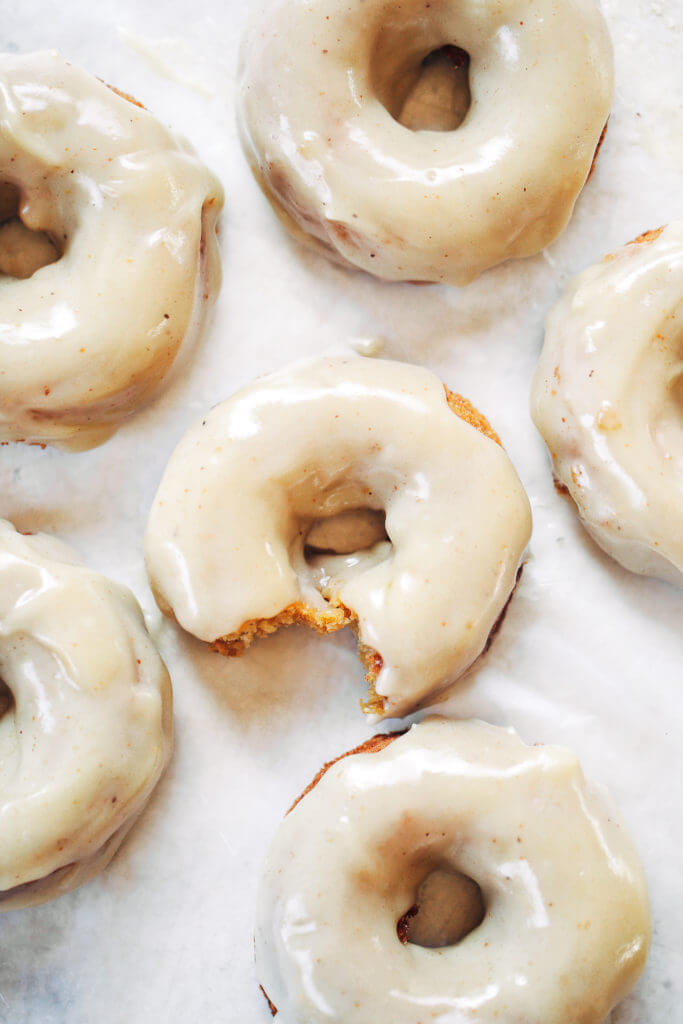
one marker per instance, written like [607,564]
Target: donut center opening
[338,546]
[423,93]
[345,533]
[448,906]
[6,699]
[676,393]
[23,250]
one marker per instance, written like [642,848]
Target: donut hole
[676,393]
[448,906]
[6,699]
[345,533]
[338,546]
[23,250]
[423,92]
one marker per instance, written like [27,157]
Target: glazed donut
[85,726]
[227,535]
[322,84]
[566,927]
[128,213]
[607,398]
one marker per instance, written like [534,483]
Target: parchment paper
[589,655]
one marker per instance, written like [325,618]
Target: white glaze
[87,340]
[607,398]
[424,205]
[226,533]
[89,733]
[567,928]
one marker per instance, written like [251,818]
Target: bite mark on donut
[372,662]
[337,615]
[297,614]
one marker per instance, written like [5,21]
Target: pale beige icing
[88,732]
[88,339]
[227,532]
[608,399]
[324,82]
[566,929]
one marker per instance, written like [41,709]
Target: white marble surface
[589,655]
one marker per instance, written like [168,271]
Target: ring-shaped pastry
[85,729]
[566,926]
[227,533]
[89,338]
[607,398]
[321,86]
